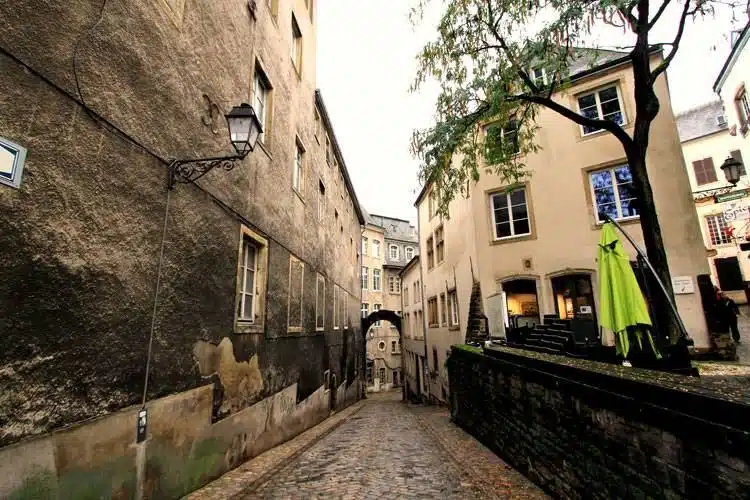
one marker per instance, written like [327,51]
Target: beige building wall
[564,231]
[445,280]
[372,264]
[718,146]
[413,329]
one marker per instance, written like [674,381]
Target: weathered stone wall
[584,430]
[184,450]
[80,239]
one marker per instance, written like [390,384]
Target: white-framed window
[393,252]
[510,214]
[320,303]
[376,285]
[298,167]
[442,306]
[439,244]
[717,229]
[365,309]
[364,246]
[252,269]
[376,308]
[539,76]
[296,286]
[613,193]
[394,284]
[501,140]
[376,248]
[321,201]
[365,278]
[393,348]
[602,104]
[453,303]
[296,49]
[409,253]
[262,100]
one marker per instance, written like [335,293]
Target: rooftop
[701,121]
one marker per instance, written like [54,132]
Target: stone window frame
[391,254]
[18,153]
[294,328]
[454,317]
[407,251]
[377,286]
[298,167]
[597,99]
[443,313]
[320,303]
[432,307]
[296,46]
[257,325]
[260,78]
[365,278]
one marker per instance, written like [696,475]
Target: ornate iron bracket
[186,171]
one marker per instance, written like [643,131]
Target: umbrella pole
[642,255]
[646,288]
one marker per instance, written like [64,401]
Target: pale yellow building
[413,326]
[387,245]
[530,250]
[723,210]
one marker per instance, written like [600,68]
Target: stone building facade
[102,99]
[412,323]
[723,210]
[388,243]
[529,250]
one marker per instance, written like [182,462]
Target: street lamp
[244,130]
[732,168]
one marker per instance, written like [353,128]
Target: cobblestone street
[383,449]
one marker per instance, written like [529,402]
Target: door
[729,274]
[574,297]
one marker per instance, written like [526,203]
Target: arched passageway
[383,348]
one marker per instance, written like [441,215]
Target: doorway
[521,303]
[574,297]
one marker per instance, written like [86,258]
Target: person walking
[730,311]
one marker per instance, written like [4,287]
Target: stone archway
[367,322]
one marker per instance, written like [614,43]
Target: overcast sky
[366,62]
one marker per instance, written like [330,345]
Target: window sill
[454,328]
[513,239]
[299,195]
[592,135]
[264,148]
[625,220]
[294,329]
[241,328]
[319,329]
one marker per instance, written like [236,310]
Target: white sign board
[584,309]
[736,211]
[683,285]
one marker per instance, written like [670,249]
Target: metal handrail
[642,255]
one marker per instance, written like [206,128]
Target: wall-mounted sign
[584,310]
[732,195]
[141,429]
[683,285]
[12,157]
[736,211]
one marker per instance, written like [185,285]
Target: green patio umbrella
[623,309]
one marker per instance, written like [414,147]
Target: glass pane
[609,209]
[615,117]
[501,215]
[518,197]
[499,201]
[587,101]
[502,230]
[249,281]
[607,94]
[601,179]
[519,212]
[250,255]
[629,207]
[622,174]
[247,312]
[521,226]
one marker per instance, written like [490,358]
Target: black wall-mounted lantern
[732,169]
[244,130]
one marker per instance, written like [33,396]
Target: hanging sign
[736,211]
[732,195]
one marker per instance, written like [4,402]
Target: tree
[496,61]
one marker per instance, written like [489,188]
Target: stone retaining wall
[582,429]
[183,450]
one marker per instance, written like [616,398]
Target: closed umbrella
[623,309]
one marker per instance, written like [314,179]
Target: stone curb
[287,460]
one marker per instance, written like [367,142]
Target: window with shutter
[704,171]
[737,155]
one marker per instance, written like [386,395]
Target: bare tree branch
[661,68]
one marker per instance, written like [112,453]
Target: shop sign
[732,195]
[736,211]
[682,285]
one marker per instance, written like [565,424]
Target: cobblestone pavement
[383,449]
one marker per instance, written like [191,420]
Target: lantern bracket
[186,171]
